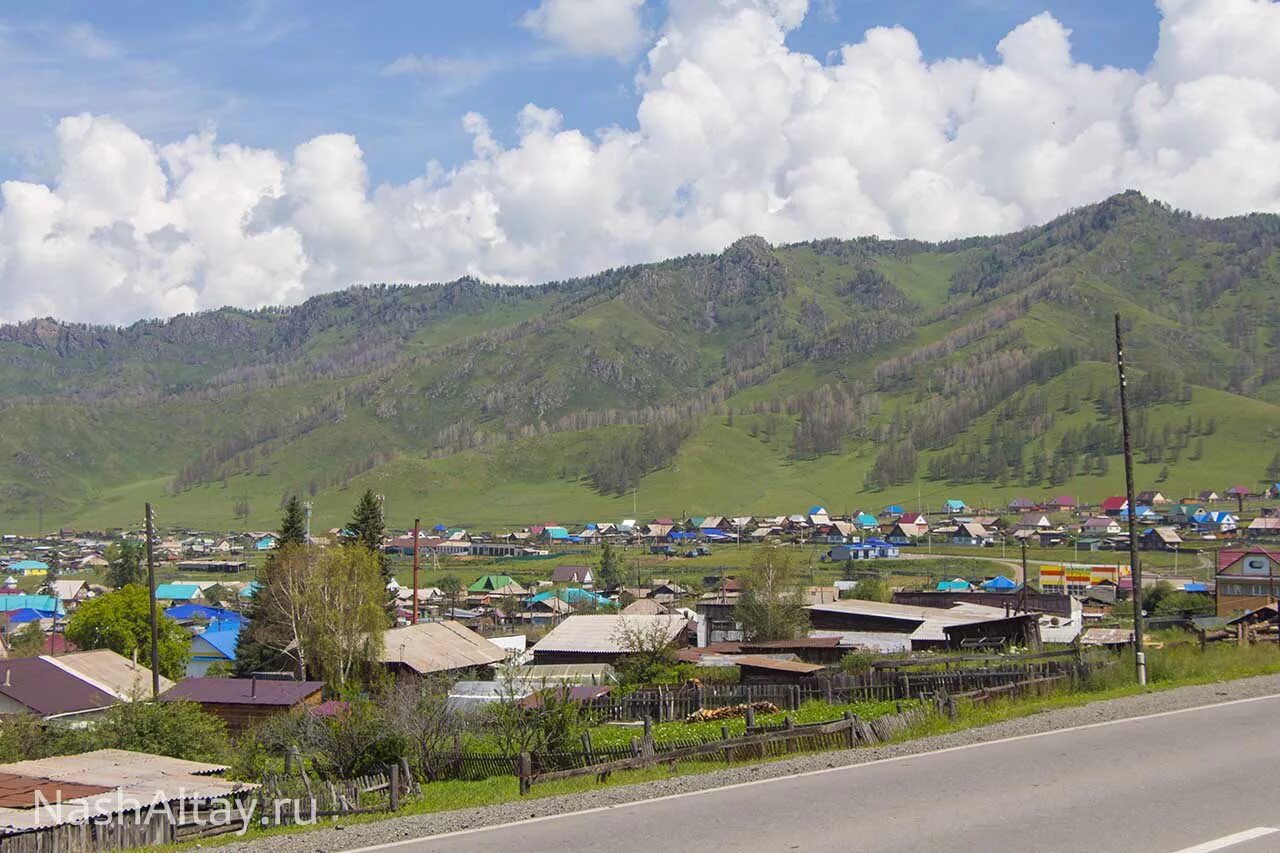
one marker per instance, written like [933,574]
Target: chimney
[253,688]
[6,677]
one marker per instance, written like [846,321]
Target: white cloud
[735,133]
[590,27]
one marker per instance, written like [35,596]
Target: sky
[160,158]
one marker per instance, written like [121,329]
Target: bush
[858,662]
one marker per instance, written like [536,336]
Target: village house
[972,533]
[896,628]
[1263,527]
[72,689]
[605,638]
[437,647]
[243,702]
[1246,579]
[1101,525]
[1160,539]
[1115,505]
[579,575]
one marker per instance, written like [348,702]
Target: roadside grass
[1179,663]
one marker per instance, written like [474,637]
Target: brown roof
[49,690]
[242,691]
[19,792]
[763,662]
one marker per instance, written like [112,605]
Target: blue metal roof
[176,591]
[202,611]
[44,603]
[999,582]
[223,640]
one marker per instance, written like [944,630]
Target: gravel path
[336,838]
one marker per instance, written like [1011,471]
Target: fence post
[635,747]
[788,744]
[525,771]
[751,718]
[728,751]
[586,746]
[850,734]
[795,694]
[394,780]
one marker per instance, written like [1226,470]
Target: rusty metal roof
[19,792]
[125,777]
[777,665]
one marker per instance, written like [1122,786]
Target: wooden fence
[759,742]
[886,681]
[287,798]
[145,828]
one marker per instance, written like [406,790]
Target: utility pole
[417,524]
[151,594]
[1022,591]
[1140,657]
[307,534]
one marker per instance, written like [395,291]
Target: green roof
[488,583]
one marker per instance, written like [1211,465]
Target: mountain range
[765,379]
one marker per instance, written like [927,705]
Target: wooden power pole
[151,594]
[1140,657]
[413,617]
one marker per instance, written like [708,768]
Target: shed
[763,669]
[603,638]
[430,647]
[93,795]
[241,702]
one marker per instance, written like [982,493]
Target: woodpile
[729,712]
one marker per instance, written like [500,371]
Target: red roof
[1228,556]
[242,691]
[911,518]
[1115,504]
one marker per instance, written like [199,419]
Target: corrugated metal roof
[242,691]
[438,647]
[604,633]
[112,672]
[129,777]
[777,664]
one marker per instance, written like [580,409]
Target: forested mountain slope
[764,379]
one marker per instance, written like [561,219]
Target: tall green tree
[293,524]
[771,606]
[121,621]
[609,575]
[452,588]
[255,650]
[367,529]
[124,564]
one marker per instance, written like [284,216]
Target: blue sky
[274,74]
[159,158]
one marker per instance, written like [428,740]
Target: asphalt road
[1197,780]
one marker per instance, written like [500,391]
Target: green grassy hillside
[764,379]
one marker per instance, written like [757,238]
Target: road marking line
[820,772]
[1230,840]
